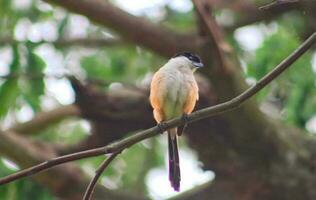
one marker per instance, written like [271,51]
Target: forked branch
[98,172]
[198,115]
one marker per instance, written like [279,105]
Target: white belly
[176,92]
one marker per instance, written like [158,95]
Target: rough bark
[131,28]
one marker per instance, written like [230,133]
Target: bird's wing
[192,97]
[156,99]
[157,96]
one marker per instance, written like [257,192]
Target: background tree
[262,150]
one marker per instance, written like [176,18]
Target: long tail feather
[174,166]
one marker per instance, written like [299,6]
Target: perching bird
[173,93]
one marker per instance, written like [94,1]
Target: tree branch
[277,3]
[131,28]
[35,76]
[99,171]
[214,32]
[44,119]
[246,12]
[198,115]
[62,43]
[26,152]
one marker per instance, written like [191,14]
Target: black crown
[190,56]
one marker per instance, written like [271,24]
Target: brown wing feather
[192,97]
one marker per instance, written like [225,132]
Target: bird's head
[194,60]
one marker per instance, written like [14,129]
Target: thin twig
[83,42]
[277,3]
[92,80]
[198,115]
[98,172]
[44,119]
[34,76]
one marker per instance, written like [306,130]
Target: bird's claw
[162,127]
[186,119]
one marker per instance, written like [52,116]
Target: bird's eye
[194,59]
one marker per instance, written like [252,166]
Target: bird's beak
[198,65]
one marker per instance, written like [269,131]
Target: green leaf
[9,90]
[62,26]
[34,86]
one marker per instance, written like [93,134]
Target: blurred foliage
[14,87]
[9,88]
[70,131]
[109,65]
[295,89]
[26,73]
[179,21]
[33,90]
[129,170]
[24,189]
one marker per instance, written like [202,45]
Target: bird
[173,93]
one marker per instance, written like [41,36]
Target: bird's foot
[162,127]
[185,119]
